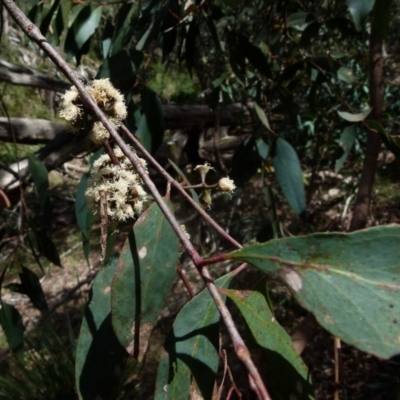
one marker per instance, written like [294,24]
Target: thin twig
[241,350]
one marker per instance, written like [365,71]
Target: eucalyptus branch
[241,350]
[179,187]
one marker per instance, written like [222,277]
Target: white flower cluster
[110,101]
[122,185]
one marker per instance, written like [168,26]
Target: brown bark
[361,208]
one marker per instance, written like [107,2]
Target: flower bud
[203,170]
[206,199]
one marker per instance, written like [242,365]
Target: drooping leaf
[123,27]
[190,45]
[41,181]
[285,373]
[30,285]
[309,34]
[192,348]
[121,68]
[359,10]
[81,30]
[150,120]
[46,21]
[246,162]
[146,270]
[255,56]
[261,114]
[83,216]
[392,142]
[46,246]
[381,16]
[289,175]
[11,322]
[355,117]
[347,139]
[351,282]
[100,358]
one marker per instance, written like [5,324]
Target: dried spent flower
[110,101]
[226,185]
[203,170]
[122,184]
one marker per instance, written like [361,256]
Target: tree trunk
[361,208]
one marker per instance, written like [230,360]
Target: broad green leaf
[359,10]
[289,175]
[285,374]
[350,282]
[81,30]
[355,117]
[150,120]
[30,285]
[192,348]
[11,322]
[347,139]
[100,358]
[146,270]
[41,181]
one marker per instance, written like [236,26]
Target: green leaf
[289,175]
[146,270]
[121,68]
[83,216]
[392,142]
[359,10]
[150,120]
[284,371]
[254,54]
[310,33]
[30,284]
[100,358]
[45,24]
[41,181]
[246,162]
[124,25]
[351,282]
[192,348]
[46,246]
[347,139]
[355,117]
[81,30]
[261,114]
[346,75]
[11,322]
[298,20]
